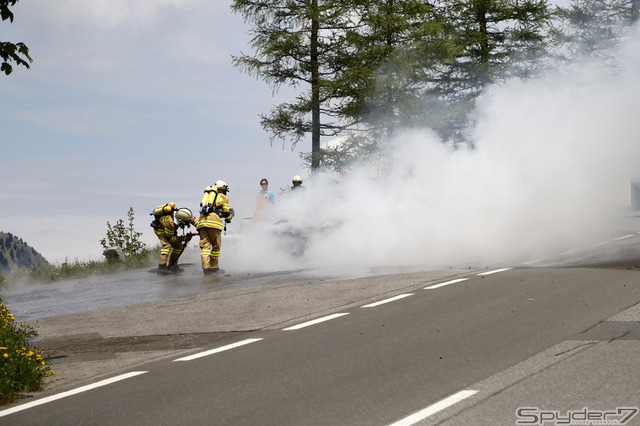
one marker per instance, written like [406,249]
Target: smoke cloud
[550,171]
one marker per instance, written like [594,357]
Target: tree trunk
[389,89]
[315,89]
[484,35]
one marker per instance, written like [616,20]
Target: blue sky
[127,104]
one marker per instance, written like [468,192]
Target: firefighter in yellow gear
[214,209]
[165,229]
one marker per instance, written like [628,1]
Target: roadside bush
[22,367]
[124,237]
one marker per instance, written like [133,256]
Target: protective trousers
[210,241]
[174,248]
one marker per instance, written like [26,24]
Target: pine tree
[390,45]
[594,27]
[495,40]
[368,68]
[4,264]
[301,43]
[427,62]
[398,39]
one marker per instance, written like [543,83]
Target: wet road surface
[37,300]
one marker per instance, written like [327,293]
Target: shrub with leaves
[124,237]
[22,367]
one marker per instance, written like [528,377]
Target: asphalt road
[379,364]
[451,347]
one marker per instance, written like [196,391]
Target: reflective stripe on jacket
[166,228]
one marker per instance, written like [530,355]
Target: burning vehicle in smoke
[285,230]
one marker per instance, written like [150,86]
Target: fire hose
[184,246]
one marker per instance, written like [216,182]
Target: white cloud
[106,14]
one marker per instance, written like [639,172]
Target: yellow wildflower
[6,355]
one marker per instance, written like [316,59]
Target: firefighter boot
[175,269]
[163,270]
[211,271]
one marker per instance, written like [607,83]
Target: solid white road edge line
[216,350]
[69,393]
[494,272]
[459,280]
[391,299]
[624,237]
[315,321]
[433,409]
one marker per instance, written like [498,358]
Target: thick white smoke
[551,170]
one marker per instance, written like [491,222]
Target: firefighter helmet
[184,215]
[222,186]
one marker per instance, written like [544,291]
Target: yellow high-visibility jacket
[213,220]
[166,228]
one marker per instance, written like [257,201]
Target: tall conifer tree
[299,43]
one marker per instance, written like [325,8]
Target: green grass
[77,268]
[22,367]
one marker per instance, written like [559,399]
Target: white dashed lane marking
[432,287]
[315,321]
[217,350]
[391,299]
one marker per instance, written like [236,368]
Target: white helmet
[184,215]
[221,185]
[297,178]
